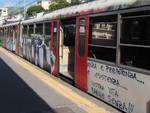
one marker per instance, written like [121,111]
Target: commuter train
[103,46]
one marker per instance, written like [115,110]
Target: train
[102,46]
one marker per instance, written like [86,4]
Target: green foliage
[59,5]
[34,9]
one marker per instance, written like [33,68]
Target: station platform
[50,94]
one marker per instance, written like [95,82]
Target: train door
[67,47]
[81,52]
[54,47]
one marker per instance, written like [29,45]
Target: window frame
[36,26]
[115,17]
[132,43]
[119,14]
[82,54]
[119,64]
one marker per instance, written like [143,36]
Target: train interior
[67,47]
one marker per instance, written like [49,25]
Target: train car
[11,35]
[103,46]
[36,42]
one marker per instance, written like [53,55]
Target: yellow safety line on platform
[77,99]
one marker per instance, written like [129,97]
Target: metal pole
[24,8]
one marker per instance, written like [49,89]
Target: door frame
[81,62]
[54,51]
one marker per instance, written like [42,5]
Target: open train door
[54,47]
[81,52]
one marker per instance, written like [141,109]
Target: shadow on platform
[16,96]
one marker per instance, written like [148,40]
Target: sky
[6,3]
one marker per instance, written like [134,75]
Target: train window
[47,28]
[135,57]
[82,36]
[103,31]
[39,29]
[16,31]
[47,33]
[1,33]
[69,35]
[102,38]
[135,41]
[31,29]
[55,35]
[25,30]
[136,31]
[106,54]
[8,32]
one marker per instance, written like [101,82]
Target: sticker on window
[82,29]
[55,30]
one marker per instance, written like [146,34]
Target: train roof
[10,24]
[87,8]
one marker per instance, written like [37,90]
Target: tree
[34,9]
[58,5]
[75,2]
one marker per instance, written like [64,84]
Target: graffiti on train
[123,89]
[37,51]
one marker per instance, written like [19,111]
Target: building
[69,1]
[45,3]
[9,13]
[3,12]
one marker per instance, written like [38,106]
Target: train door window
[82,36]
[55,35]
[31,30]
[47,33]
[39,29]
[102,38]
[135,41]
